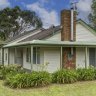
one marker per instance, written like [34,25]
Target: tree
[92,15]
[14,21]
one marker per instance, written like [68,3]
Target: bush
[5,70]
[1,74]
[64,76]
[86,74]
[95,73]
[25,80]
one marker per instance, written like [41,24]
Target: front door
[92,57]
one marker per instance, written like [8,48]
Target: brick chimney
[66,25]
[68,33]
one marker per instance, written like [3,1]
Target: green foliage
[16,77]
[1,74]
[64,76]
[9,24]
[86,74]
[92,15]
[5,70]
[34,79]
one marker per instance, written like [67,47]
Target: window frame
[36,54]
[28,55]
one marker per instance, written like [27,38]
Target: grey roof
[20,35]
[43,34]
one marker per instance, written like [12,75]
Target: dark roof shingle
[43,34]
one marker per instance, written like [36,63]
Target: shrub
[25,80]
[41,79]
[1,75]
[64,76]
[95,72]
[86,74]
[5,70]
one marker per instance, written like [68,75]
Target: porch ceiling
[53,43]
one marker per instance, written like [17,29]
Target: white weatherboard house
[70,45]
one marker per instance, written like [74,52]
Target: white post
[15,55]
[86,54]
[31,57]
[61,58]
[72,23]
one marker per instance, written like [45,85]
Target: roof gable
[86,26]
[55,36]
[84,32]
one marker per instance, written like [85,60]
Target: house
[70,45]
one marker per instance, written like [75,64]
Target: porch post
[3,56]
[61,58]
[86,54]
[31,57]
[15,55]
[8,56]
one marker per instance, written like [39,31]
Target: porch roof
[53,43]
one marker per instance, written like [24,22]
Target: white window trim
[36,55]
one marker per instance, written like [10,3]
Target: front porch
[34,57]
[31,55]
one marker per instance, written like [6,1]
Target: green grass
[76,89]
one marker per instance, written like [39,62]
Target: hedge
[86,74]
[35,79]
[16,77]
[64,76]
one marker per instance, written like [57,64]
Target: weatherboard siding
[84,34]
[55,37]
[80,58]
[52,56]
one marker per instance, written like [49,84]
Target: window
[92,57]
[36,55]
[28,55]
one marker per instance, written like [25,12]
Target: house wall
[50,56]
[6,56]
[55,37]
[80,58]
[83,34]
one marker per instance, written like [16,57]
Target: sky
[49,10]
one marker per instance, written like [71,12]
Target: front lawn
[76,89]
